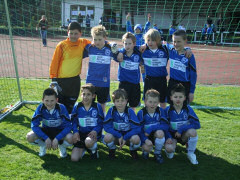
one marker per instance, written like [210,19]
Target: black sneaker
[145,155]
[94,155]
[111,154]
[159,158]
[134,154]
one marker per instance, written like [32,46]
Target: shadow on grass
[213,111]
[4,140]
[124,167]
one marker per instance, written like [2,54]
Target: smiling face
[120,104]
[50,101]
[74,35]
[99,41]
[87,97]
[178,98]
[178,43]
[151,103]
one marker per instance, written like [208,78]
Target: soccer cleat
[159,158]
[95,155]
[145,155]
[111,154]
[42,151]
[192,157]
[134,154]
[62,151]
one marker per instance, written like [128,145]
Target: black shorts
[157,83]
[70,91]
[83,136]
[133,91]
[179,140]
[102,94]
[172,83]
[52,133]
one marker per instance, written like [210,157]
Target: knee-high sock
[111,145]
[39,142]
[93,148]
[133,147]
[158,145]
[192,144]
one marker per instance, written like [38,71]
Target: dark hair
[74,25]
[49,92]
[181,33]
[178,88]
[119,93]
[89,87]
[152,93]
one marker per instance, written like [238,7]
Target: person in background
[43,25]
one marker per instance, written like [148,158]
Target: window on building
[84,10]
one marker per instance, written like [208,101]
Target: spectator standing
[43,25]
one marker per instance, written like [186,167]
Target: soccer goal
[24,62]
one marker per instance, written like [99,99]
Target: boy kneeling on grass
[55,131]
[122,126]
[87,118]
[183,124]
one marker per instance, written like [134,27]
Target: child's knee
[108,138]
[135,139]
[89,142]
[192,133]
[159,134]
[169,148]
[69,138]
[31,137]
[74,158]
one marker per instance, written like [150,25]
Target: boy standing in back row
[66,66]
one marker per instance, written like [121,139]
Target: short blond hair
[154,35]
[99,30]
[129,35]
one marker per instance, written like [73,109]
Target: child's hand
[142,48]
[177,135]
[191,97]
[146,134]
[169,141]
[128,16]
[48,143]
[76,137]
[120,141]
[55,144]
[93,135]
[188,53]
[120,57]
[123,143]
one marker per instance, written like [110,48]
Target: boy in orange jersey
[66,66]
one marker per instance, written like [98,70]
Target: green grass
[217,153]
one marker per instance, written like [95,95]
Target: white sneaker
[42,151]
[169,155]
[62,151]
[192,157]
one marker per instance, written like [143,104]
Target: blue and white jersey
[181,122]
[152,123]
[128,69]
[156,62]
[99,65]
[183,69]
[125,125]
[58,118]
[86,121]
[139,37]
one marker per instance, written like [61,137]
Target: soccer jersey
[99,65]
[128,69]
[125,125]
[86,121]
[156,62]
[58,119]
[157,121]
[139,37]
[181,122]
[67,58]
[183,69]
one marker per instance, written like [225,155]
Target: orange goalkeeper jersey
[67,58]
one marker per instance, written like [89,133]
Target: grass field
[218,150]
